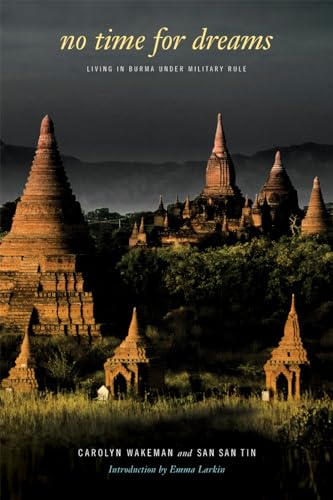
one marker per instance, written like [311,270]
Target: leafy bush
[311,427]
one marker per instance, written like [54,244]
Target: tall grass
[75,418]
[41,434]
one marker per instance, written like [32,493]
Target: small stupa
[22,377]
[287,358]
[316,220]
[133,369]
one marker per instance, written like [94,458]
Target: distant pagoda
[287,358]
[280,195]
[45,256]
[133,369]
[22,376]
[138,236]
[220,176]
[159,214]
[316,220]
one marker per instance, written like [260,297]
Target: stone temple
[222,209]
[45,258]
[316,220]
[287,358]
[22,377]
[133,369]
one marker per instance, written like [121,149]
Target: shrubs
[62,362]
[311,427]
[307,448]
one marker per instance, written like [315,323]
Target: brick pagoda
[133,369]
[22,376]
[316,220]
[138,236]
[280,195]
[45,257]
[221,189]
[287,358]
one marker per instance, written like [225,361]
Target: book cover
[166,263]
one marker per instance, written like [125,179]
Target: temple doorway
[120,386]
[282,387]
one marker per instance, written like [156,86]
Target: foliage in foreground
[48,428]
[75,418]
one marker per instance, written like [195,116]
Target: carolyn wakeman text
[166,452]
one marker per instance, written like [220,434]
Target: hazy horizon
[283,98]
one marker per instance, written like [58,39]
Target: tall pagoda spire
[135,230]
[220,171]
[166,221]
[45,257]
[316,220]
[159,214]
[256,202]
[290,348]
[161,204]
[138,236]
[278,186]
[133,331]
[142,225]
[219,148]
[48,220]
[135,343]
[25,358]
[225,227]
[187,209]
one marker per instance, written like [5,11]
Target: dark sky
[284,98]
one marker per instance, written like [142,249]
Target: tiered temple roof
[48,220]
[278,186]
[133,369]
[44,259]
[134,346]
[220,172]
[22,376]
[316,220]
[290,349]
[287,358]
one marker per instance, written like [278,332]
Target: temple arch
[287,358]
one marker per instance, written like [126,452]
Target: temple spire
[278,182]
[166,221]
[161,204]
[277,165]
[133,331]
[48,220]
[187,208]
[256,202]
[219,142]
[46,135]
[142,226]
[225,227]
[49,242]
[25,359]
[288,357]
[291,341]
[135,230]
[220,171]
[22,377]
[316,220]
